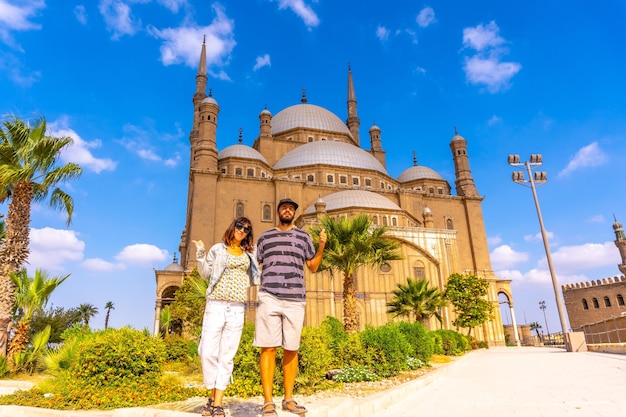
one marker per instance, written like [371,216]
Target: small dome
[174,267]
[355,198]
[265,111]
[308,116]
[457,137]
[427,210]
[418,172]
[330,152]
[241,151]
[209,100]
[374,128]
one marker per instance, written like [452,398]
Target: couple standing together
[231,267]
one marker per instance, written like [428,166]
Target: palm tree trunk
[350,314]
[18,342]
[13,254]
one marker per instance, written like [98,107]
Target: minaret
[353,122]
[376,144]
[465,186]
[620,242]
[200,94]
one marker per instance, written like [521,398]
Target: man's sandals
[269,408]
[293,407]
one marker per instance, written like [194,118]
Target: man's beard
[285,220]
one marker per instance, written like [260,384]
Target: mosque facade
[307,153]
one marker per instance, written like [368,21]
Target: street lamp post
[541,178]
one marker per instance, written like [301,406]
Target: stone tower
[620,242]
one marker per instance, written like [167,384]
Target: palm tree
[86,312]
[416,298]
[535,326]
[28,172]
[31,295]
[109,307]
[165,320]
[352,243]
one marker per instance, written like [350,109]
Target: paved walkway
[520,382]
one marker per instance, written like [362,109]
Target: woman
[231,267]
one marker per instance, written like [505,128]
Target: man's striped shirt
[283,255]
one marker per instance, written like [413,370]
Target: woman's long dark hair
[247,244]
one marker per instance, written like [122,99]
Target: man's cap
[287,201]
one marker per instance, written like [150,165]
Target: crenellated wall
[596,300]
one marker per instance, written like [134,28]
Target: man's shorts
[278,322]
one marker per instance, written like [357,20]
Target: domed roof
[308,116]
[330,152]
[209,100]
[240,151]
[418,172]
[355,198]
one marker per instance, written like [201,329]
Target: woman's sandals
[293,407]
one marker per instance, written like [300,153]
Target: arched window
[585,305]
[595,303]
[310,178]
[449,224]
[239,171]
[384,220]
[607,302]
[239,210]
[375,220]
[267,213]
[330,178]
[620,300]
[394,221]
[419,271]
[250,172]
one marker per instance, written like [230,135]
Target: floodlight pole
[536,160]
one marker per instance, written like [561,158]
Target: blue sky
[513,77]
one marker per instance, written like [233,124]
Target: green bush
[4,367]
[351,352]
[315,359]
[452,343]
[437,343]
[117,356]
[178,348]
[388,348]
[334,328]
[417,335]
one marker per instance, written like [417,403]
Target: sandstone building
[309,154]
[594,301]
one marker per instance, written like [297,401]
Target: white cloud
[482,37]
[80,150]
[181,45]
[598,218]
[141,254]
[97,264]
[262,61]
[485,67]
[13,67]
[139,141]
[302,10]
[494,240]
[173,5]
[588,156]
[490,72]
[118,17]
[17,18]
[81,14]
[494,120]
[537,236]
[589,256]
[51,248]
[426,17]
[504,257]
[382,33]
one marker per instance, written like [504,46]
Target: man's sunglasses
[240,226]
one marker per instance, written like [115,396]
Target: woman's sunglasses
[240,226]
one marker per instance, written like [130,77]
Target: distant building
[307,153]
[597,300]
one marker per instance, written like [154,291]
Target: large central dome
[308,116]
[327,152]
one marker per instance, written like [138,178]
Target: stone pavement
[513,381]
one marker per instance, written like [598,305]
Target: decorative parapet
[594,283]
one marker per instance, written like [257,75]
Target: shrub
[417,335]
[388,348]
[116,356]
[452,343]
[4,367]
[178,348]
[334,328]
[315,359]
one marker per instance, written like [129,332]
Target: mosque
[309,154]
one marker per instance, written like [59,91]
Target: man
[283,251]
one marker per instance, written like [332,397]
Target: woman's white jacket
[211,266]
